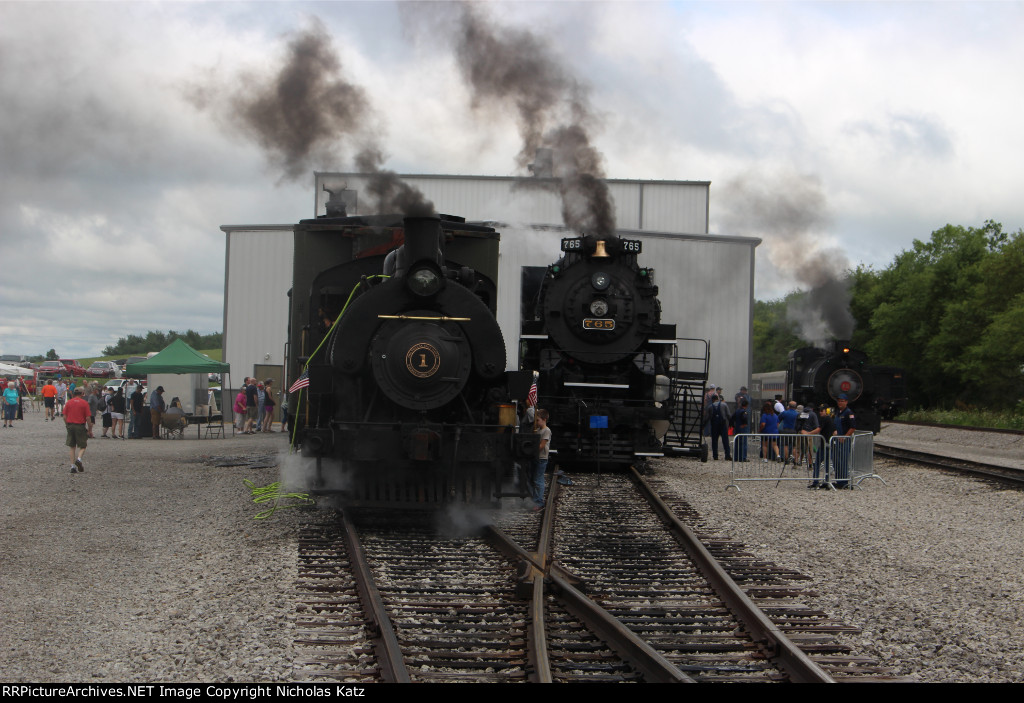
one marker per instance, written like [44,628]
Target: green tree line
[154,341]
[949,310]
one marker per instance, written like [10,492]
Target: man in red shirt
[49,398]
[76,413]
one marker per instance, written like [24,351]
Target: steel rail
[1005,474]
[772,641]
[619,638]
[382,632]
[532,569]
[537,635]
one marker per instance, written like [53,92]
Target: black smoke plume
[514,69]
[389,193]
[301,113]
[790,214]
[305,114]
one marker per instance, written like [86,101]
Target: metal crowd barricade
[851,460]
[777,457]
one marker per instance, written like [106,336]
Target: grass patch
[214,354]
[1006,420]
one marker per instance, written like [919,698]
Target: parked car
[133,360]
[128,386]
[103,369]
[49,369]
[73,367]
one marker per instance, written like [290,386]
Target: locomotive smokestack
[423,241]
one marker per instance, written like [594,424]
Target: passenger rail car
[609,371]
[392,323]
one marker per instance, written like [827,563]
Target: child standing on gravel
[543,445]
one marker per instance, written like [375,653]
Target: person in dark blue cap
[846,425]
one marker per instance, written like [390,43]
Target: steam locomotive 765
[407,401]
[606,364]
[820,376]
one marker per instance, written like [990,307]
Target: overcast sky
[888,120]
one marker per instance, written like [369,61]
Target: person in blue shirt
[769,426]
[10,404]
[787,426]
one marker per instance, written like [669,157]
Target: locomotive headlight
[599,308]
[424,281]
[600,280]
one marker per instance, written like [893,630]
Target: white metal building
[706,281]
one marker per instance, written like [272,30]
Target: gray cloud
[113,187]
[906,135]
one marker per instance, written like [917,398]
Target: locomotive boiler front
[821,376]
[422,337]
[838,371]
[597,304]
[419,364]
[594,335]
[405,402]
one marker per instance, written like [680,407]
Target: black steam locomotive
[820,376]
[408,400]
[607,367]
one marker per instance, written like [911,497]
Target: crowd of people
[254,406]
[91,411]
[780,426]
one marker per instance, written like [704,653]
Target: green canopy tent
[179,358]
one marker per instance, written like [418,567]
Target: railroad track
[1003,474]
[609,590]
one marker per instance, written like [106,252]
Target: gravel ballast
[149,566]
[930,566]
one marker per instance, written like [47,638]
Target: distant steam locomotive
[608,368]
[408,400]
[820,376]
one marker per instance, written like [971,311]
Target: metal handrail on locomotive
[408,402]
[609,372]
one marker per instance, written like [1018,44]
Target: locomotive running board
[576,384]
